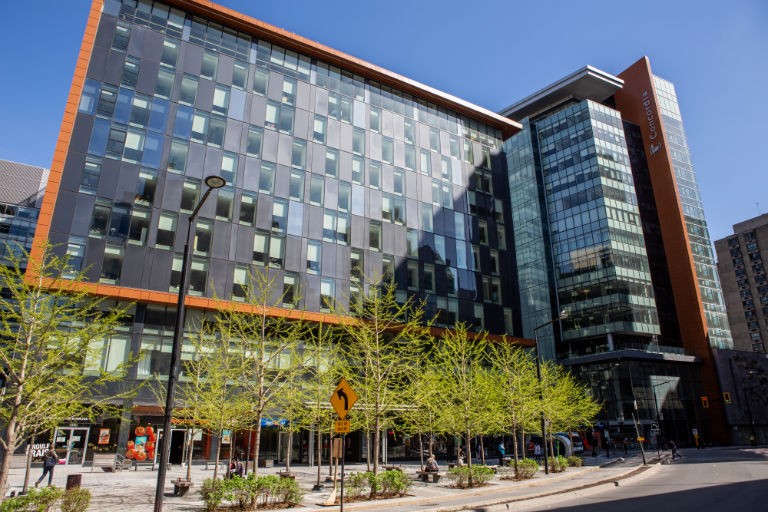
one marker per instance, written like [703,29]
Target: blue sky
[489,52]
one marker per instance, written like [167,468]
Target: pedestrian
[608,444]
[50,459]
[431,465]
[537,451]
[675,455]
[626,445]
[460,457]
[502,453]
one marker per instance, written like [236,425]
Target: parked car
[575,438]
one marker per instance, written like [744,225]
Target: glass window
[412,243]
[388,150]
[469,155]
[299,154]
[220,100]
[398,214]
[409,132]
[279,216]
[434,139]
[272,115]
[285,123]
[342,229]
[76,254]
[177,158]
[410,157]
[115,142]
[173,285]
[358,141]
[166,231]
[494,262]
[255,136]
[413,275]
[428,281]
[426,217]
[425,162]
[345,196]
[134,146]
[170,54]
[386,207]
[314,256]
[316,190]
[358,167]
[277,251]
[374,235]
[188,91]
[111,265]
[296,186]
[387,268]
[439,249]
[375,120]
[247,209]
[327,294]
[130,71]
[260,248]
[137,233]
[331,162]
[201,243]
[454,143]
[225,199]
[260,81]
[374,175]
[482,232]
[502,237]
[164,84]
[290,289]
[329,226]
[216,131]
[445,169]
[239,283]
[399,186]
[107,100]
[119,221]
[289,91]
[209,65]
[228,169]
[240,75]
[99,221]
[121,37]
[333,105]
[356,265]
[190,192]
[89,179]
[267,178]
[140,109]
[318,129]
[198,277]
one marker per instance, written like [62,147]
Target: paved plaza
[134,490]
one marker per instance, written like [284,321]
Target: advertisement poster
[103,436]
[226,436]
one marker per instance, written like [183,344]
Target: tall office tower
[335,169]
[593,176]
[21,194]
[745,286]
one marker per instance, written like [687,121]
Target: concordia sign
[649,108]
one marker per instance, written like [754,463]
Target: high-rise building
[745,285]
[21,194]
[334,168]
[607,224]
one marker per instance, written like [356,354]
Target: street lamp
[658,416]
[213,183]
[563,315]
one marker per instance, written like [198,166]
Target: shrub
[394,483]
[526,468]
[36,500]
[464,476]
[76,499]
[266,489]
[575,461]
[559,464]
[289,492]
[385,484]
[212,492]
[240,491]
[356,484]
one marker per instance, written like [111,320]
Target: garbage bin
[74,480]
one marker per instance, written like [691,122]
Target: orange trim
[638,103]
[271,33]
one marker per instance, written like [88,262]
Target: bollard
[74,480]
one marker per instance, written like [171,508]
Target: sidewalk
[131,491]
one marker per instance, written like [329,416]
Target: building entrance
[71,443]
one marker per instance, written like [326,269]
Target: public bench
[181,487]
[428,476]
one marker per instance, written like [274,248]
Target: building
[745,286]
[607,224]
[21,194]
[334,167]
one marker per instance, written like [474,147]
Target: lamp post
[658,415]
[752,432]
[213,183]
[563,315]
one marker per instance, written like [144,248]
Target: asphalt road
[720,479]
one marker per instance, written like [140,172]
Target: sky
[489,52]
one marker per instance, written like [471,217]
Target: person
[675,455]
[50,459]
[460,457]
[502,453]
[537,451]
[236,468]
[431,465]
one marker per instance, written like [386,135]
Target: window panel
[166,231]
[111,265]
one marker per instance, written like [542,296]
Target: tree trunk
[289,452]
[10,447]
[367,450]
[190,450]
[257,446]
[421,452]
[482,449]
[468,450]
[515,448]
[218,454]
[28,466]
[376,447]
[319,450]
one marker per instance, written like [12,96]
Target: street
[702,480]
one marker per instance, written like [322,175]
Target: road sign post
[342,400]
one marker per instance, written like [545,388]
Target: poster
[226,436]
[103,436]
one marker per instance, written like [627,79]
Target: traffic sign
[341,427]
[343,398]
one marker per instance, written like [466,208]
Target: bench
[181,487]
[223,463]
[392,467]
[505,472]
[427,476]
[287,474]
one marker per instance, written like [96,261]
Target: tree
[268,346]
[425,415]
[517,390]
[211,397]
[466,381]
[53,335]
[382,340]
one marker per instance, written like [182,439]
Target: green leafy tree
[382,340]
[268,346]
[424,416]
[53,336]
